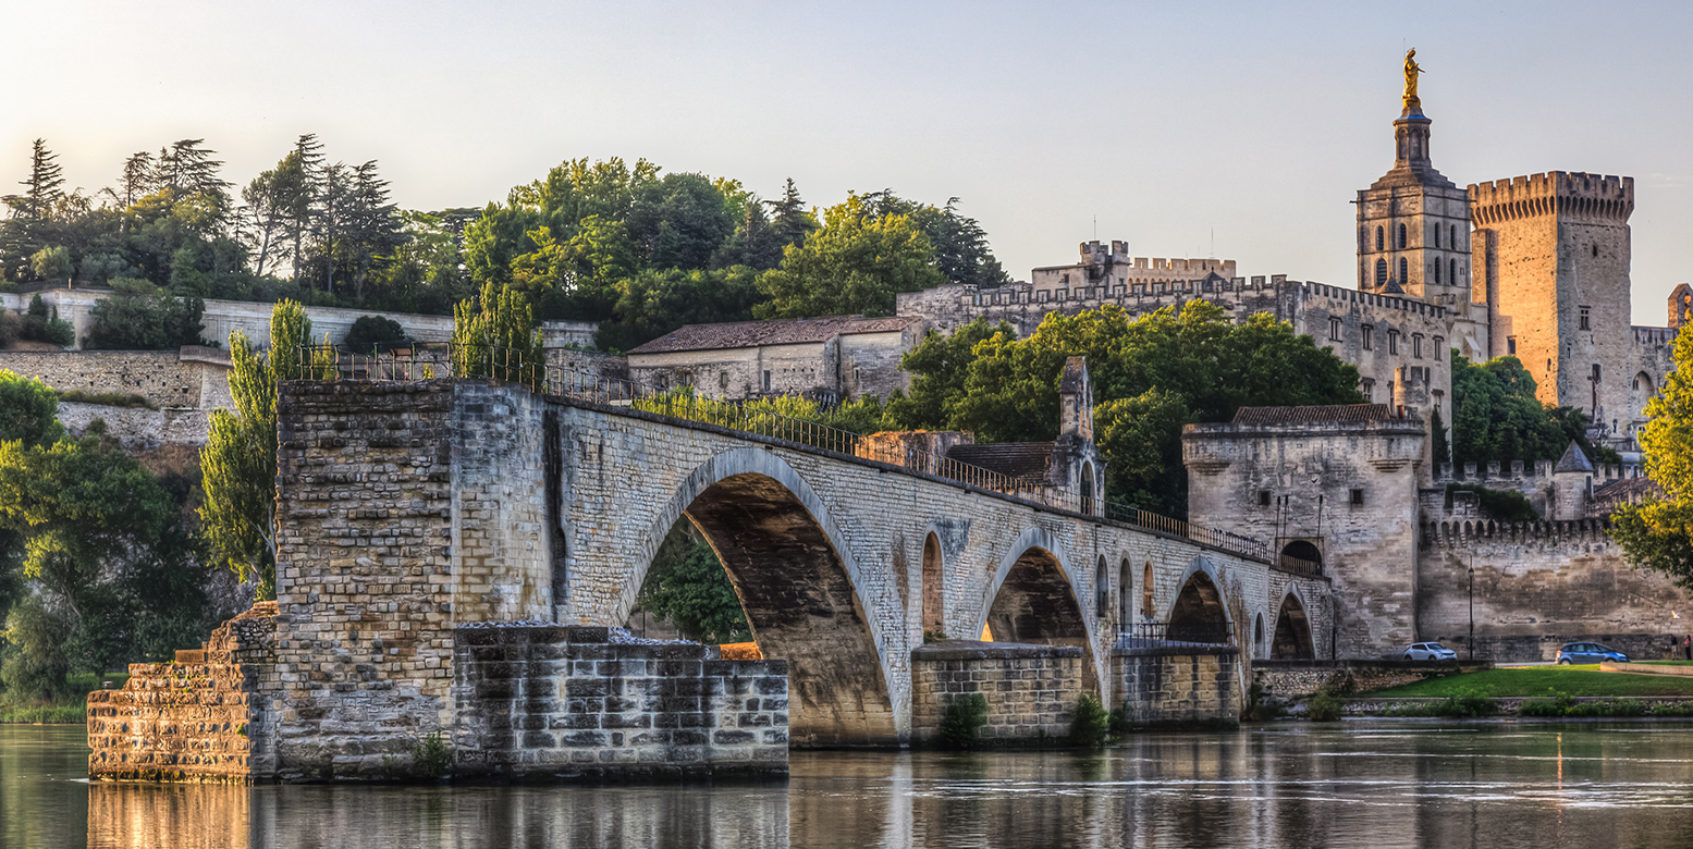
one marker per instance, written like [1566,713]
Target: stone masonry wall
[1179,685]
[1286,681]
[364,579]
[164,378]
[557,702]
[208,716]
[1031,690]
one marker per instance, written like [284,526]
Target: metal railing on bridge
[1142,635]
[505,365]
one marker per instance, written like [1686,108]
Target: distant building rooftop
[783,331]
[1028,461]
[1330,414]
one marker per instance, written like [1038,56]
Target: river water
[1377,786]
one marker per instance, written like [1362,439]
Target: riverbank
[71,710]
[1614,690]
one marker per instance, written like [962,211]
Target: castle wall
[1295,481]
[173,379]
[1539,585]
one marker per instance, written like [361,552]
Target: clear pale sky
[1178,126]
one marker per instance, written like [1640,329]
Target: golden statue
[1412,69]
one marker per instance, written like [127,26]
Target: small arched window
[1437,268]
[1404,271]
[1401,237]
[1379,244]
[1146,609]
[1436,229]
[1125,602]
[1258,631]
[1381,273]
[1452,265]
[1453,232]
[1101,590]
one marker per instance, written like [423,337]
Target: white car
[1429,651]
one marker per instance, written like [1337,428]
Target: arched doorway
[1293,632]
[1198,615]
[802,607]
[1302,555]
[1090,503]
[1102,591]
[934,588]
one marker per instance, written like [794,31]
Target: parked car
[1429,651]
[1589,653]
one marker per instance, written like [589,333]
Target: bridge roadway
[478,502]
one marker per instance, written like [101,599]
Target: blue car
[1589,653]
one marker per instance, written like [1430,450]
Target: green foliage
[1497,416]
[1503,505]
[1151,374]
[782,416]
[687,586]
[51,263]
[962,723]
[33,664]
[41,325]
[495,336]
[106,399]
[238,464]
[1259,708]
[374,332]
[141,316]
[856,263]
[45,714]
[1552,704]
[653,302]
[1323,706]
[1090,727]
[1466,703]
[432,756]
[1529,681]
[1658,532]
[28,411]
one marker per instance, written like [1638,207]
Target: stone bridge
[407,510]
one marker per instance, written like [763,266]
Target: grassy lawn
[1537,680]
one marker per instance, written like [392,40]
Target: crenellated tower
[1413,223]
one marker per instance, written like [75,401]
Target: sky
[1237,130]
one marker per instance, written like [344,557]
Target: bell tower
[1413,223]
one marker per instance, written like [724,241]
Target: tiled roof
[1331,414]
[1025,460]
[784,331]
[1574,460]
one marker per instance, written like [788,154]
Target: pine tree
[301,202]
[43,188]
[789,217]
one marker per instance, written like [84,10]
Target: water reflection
[1497,786]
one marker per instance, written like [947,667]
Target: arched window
[1452,265]
[1401,237]
[1404,271]
[1379,244]
[1088,493]
[1436,229]
[1101,590]
[1437,268]
[1381,273]
[1258,631]
[1146,609]
[1453,232]
[1125,602]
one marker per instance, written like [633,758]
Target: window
[1453,231]
[1401,237]
[1417,345]
[1263,498]
[1357,498]
[1379,245]
[1381,273]
[1368,387]
[1452,271]
[1393,341]
[766,381]
[1437,268]
[1404,271]
[1437,235]
[1595,248]
[1584,313]
[1511,345]
[1369,334]
[1334,329]
[1102,590]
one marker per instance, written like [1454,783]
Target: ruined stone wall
[1539,585]
[870,362]
[1031,690]
[946,308]
[556,702]
[1296,482]
[1179,685]
[364,579]
[163,378]
[209,715]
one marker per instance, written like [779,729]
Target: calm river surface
[1374,786]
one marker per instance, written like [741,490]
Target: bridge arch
[1032,599]
[1200,611]
[1292,640]
[804,596]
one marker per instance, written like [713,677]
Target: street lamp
[1472,599]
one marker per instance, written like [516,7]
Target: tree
[29,411]
[789,218]
[1497,416]
[687,586]
[238,464]
[654,302]
[1658,532]
[856,263]
[43,188]
[270,200]
[494,335]
[299,196]
[139,316]
[1151,374]
[374,332]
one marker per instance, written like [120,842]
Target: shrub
[105,399]
[1553,703]
[1323,706]
[375,333]
[963,721]
[1091,726]
[1467,703]
[432,756]
[43,325]
[141,316]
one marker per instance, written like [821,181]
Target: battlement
[1116,255]
[1571,193]
[1340,293]
[1025,293]
[1652,337]
[1455,533]
[1512,474]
